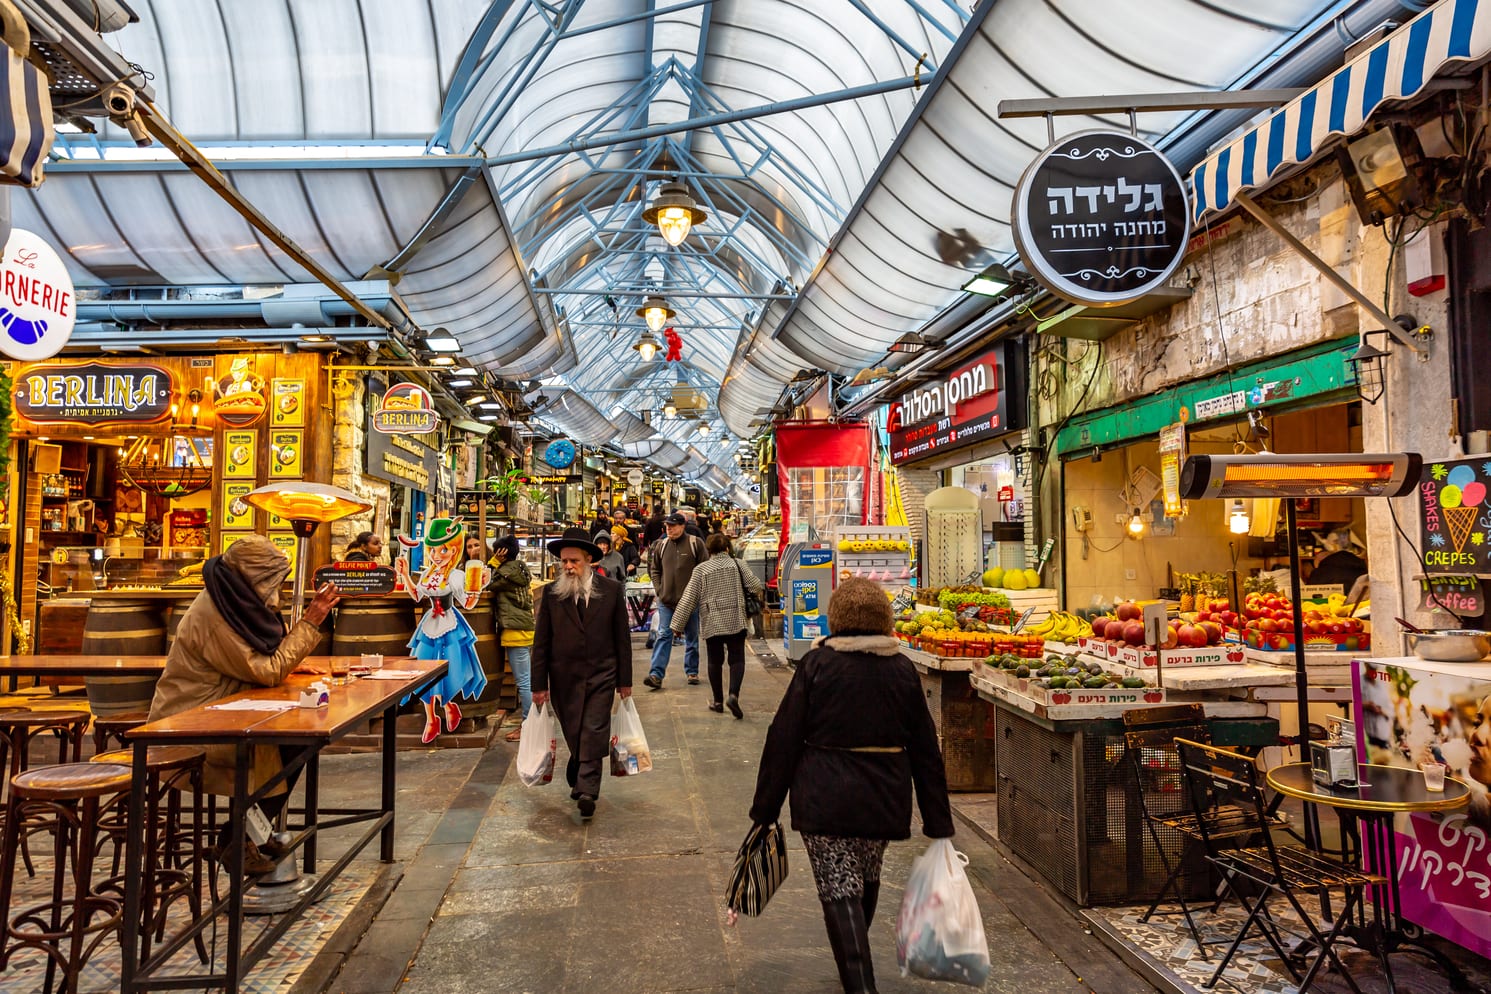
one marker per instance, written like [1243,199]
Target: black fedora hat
[574,538]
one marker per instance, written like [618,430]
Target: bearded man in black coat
[582,655]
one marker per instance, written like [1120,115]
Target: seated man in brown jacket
[232,638]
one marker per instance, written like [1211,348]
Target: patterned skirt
[842,865]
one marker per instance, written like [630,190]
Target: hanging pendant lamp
[675,213]
[656,312]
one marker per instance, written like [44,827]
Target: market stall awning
[1396,68]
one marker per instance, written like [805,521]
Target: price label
[1461,595]
[902,602]
[1020,622]
[970,613]
[977,576]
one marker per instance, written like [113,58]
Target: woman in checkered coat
[717,589]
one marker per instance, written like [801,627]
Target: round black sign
[1101,218]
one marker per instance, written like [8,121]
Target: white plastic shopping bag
[629,751]
[940,931]
[537,746]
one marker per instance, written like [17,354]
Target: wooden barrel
[484,623]
[381,625]
[323,645]
[125,627]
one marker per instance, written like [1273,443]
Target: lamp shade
[656,312]
[297,501]
[675,213]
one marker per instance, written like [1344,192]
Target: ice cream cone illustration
[1459,522]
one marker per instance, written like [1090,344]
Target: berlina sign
[37,311]
[1100,218]
[406,409]
[91,393]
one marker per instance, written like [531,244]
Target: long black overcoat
[580,656]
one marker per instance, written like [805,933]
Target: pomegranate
[1191,636]
[1129,611]
[1133,632]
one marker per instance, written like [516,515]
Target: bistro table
[1367,812]
[81,665]
[308,730]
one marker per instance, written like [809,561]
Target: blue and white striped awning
[1396,68]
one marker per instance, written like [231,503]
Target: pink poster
[1407,716]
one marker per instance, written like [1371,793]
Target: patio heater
[304,505]
[1290,478]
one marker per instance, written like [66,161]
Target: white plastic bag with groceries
[940,931]
[629,751]
[537,746]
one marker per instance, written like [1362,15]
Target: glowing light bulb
[656,317]
[1237,521]
[1136,524]
[674,223]
[647,350]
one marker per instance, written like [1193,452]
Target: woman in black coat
[850,739]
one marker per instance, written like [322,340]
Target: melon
[994,577]
[1032,579]
[1014,580]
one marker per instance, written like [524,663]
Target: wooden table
[1367,812]
[81,665]
[308,730]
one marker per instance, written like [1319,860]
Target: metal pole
[1301,675]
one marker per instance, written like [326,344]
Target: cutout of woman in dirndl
[443,633]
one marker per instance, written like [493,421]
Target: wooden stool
[116,727]
[17,729]
[173,847]
[73,924]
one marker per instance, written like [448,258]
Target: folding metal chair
[1223,779]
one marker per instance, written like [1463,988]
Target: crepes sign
[91,393]
[406,409]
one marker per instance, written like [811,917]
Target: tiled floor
[1167,948]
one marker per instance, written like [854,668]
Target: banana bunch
[1060,626]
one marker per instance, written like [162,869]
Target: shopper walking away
[850,739]
[512,594]
[365,548]
[671,562]
[610,564]
[582,654]
[230,639]
[718,591]
[655,528]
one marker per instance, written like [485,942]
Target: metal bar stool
[115,726]
[18,729]
[173,846]
[69,927]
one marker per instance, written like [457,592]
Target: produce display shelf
[928,663]
[1324,668]
[995,691]
[1232,677]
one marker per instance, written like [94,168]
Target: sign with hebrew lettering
[1101,218]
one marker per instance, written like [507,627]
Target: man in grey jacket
[671,561]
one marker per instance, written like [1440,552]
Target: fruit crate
[1284,642]
[1139,656]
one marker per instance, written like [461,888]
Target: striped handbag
[760,868]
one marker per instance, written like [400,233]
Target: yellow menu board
[228,538]
[287,403]
[239,449]
[237,512]
[284,454]
[287,544]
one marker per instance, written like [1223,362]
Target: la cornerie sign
[92,393]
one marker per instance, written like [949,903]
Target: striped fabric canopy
[1396,68]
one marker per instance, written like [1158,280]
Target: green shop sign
[1309,374]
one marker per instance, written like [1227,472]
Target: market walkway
[631,902]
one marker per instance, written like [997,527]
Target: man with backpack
[671,561]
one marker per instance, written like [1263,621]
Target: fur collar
[878,645]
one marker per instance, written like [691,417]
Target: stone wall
[351,421]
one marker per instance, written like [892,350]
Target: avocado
[1022,671]
[1094,682]
[1133,682]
